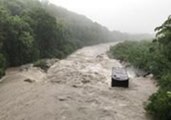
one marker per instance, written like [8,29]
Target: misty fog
[132,16]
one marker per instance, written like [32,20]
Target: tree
[163,36]
[2,65]
[19,43]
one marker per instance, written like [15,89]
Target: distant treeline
[153,57]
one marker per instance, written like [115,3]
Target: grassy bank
[146,55]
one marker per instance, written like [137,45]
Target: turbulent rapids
[76,88]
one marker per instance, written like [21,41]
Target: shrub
[160,105]
[165,81]
[136,53]
[41,64]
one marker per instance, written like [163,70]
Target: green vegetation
[2,65]
[155,58]
[41,64]
[133,52]
[35,29]
[31,30]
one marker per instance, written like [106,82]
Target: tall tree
[163,36]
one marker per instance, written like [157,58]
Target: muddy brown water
[76,88]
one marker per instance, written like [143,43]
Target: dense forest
[153,57]
[33,29]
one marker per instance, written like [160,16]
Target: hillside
[32,30]
[80,27]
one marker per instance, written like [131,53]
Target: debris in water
[85,81]
[29,80]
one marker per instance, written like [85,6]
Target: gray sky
[133,16]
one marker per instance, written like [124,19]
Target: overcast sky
[133,16]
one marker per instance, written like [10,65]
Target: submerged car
[119,77]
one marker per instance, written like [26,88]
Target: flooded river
[76,88]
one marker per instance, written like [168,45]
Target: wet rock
[149,76]
[51,62]
[85,81]
[62,99]
[29,80]
[76,86]
[25,67]
[45,64]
